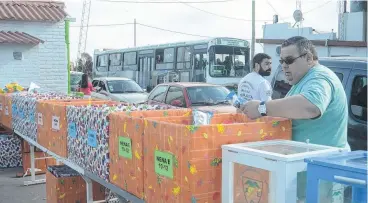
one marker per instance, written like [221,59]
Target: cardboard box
[52,126]
[126,147]
[182,162]
[64,185]
[6,116]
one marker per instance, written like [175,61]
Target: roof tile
[32,11]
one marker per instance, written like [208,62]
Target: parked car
[203,96]
[353,75]
[75,78]
[118,89]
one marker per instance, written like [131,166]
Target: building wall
[45,64]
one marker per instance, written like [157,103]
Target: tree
[85,64]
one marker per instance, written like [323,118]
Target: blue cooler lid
[355,161]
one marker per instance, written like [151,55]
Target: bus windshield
[228,61]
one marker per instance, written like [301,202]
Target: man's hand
[251,109]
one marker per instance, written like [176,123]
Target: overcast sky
[183,17]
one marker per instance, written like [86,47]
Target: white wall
[45,64]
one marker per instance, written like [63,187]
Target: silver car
[118,89]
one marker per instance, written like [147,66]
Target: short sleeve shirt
[254,87]
[322,88]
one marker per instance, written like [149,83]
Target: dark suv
[353,75]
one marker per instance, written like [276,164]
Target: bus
[222,61]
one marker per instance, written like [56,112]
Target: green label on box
[125,147]
[164,164]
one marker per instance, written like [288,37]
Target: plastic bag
[201,117]
[235,100]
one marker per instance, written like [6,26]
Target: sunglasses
[289,60]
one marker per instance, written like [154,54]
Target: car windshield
[75,79]
[208,95]
[123,86]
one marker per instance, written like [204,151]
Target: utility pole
[135,33]
[253,31]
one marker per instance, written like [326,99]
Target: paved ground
[13,191]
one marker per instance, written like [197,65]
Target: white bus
[221,61]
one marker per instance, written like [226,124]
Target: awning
[8,37]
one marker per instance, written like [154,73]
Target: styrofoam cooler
[283,159]
[344,171]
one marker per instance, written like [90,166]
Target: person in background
[254,86]
[316,103]
[85,86]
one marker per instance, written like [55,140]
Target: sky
[229,19]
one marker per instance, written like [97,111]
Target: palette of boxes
[152,152]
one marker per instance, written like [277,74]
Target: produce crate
[182,162]
[52,126]
[126,147]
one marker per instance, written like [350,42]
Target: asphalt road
[12,189]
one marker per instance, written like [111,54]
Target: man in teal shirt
[316,103]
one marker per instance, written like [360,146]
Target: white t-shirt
[254,87]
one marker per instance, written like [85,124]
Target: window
[175,97]
[183,58]
[207,95]
[340,76]
[95,83]
[165,58]
[123,86]
[358,100]
[158,94]
[115,59]
[281,87]
[130,58]
[227,61]
[102,60]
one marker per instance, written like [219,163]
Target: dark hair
[84,81]
[258,58]
[303,44]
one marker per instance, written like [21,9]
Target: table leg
[227,181]
[312,185]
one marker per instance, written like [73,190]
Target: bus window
[115,59]
[226,61]
[165,58]
[102,63]
[130,58]
[200,62]
[183,58]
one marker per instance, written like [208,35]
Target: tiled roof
[32,11]
[18,38]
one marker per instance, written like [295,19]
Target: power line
[311,10]
[218,15]
[178,32]
[165,2]
[105,25]
[269,3]
[145,25]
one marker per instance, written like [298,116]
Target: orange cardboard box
[52,126]
[126,132]
[182,162]
[6,116]
[70,189]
